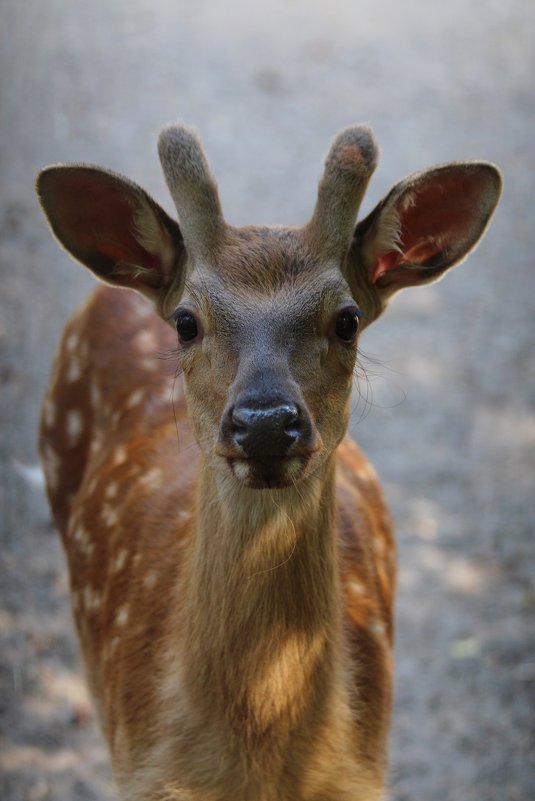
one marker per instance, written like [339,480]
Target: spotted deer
[231,557]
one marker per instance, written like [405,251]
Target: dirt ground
[448,413]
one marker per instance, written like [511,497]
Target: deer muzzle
[267,438]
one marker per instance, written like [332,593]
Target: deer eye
[347,323]
[186,326]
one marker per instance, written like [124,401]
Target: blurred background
[447,412]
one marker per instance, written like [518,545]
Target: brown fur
[237,639]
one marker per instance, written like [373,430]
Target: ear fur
[428,223]
[112,226]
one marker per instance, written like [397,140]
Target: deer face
[267,342]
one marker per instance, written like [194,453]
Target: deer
[231,555]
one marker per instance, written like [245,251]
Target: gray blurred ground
[452,424]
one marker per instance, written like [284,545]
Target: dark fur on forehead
[264,259]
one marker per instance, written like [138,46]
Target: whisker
[166,355]
[368,369]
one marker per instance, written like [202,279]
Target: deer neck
[261,623]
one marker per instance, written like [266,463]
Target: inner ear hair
[428,223]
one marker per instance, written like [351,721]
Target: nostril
[265,430]
[241,421]
[290,412]
[291,422]
[239,418]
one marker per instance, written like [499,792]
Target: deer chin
[272,472]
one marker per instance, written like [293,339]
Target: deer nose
[266,431]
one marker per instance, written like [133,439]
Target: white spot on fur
[74,425]
[83,540]
[92,599]
[145,341]
[120,560]
[111,490]
[143,309]
[49,412]
[109,515]
[121,618]
[149,581]
[71,342]
[379,545]
[80,535]
[135,398]
[356,587]
[367,473]
[76,516]
[94,396]
[166,395]
[97,441]
[120,455]
[152,479]
[148,363]
[92,485]
[51,466]
[377,628]
[74,371]
[184,515]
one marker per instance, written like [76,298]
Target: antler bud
[192,188]
[348,168]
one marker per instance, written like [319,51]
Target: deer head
[268,319]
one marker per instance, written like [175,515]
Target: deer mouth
[270,472]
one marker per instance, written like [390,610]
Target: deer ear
[428,223]
[112,226]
